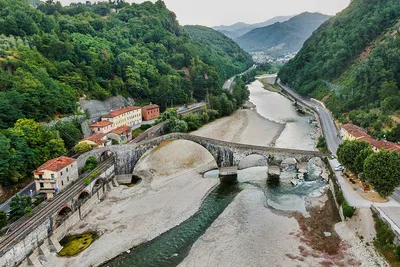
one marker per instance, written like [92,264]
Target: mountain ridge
[282,37]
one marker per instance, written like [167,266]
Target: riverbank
[169,194]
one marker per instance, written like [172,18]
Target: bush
[91,164]
[145,127]
[3,219]
[82,148]
[348,211]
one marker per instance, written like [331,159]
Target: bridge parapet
[226,154]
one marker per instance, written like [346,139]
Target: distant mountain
[238,29]
[282,37]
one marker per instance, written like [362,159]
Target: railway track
[42,214]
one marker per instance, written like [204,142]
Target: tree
[20,206]
[82,148]
[176,125]
[69,132]
[91,164]
[382,171]
[360,159]
[3,219]
[348,152]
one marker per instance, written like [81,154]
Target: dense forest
[283,37]
[352,64]
[51,56]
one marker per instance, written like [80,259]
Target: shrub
[3,219]
[82,148]
[91,164]
[145,127]
[348,211]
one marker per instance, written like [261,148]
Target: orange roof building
[354,132]
[150,112]
[124,134]
[129,116]
[55,175]
[95,140]
[101,127]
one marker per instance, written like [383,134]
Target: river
[174,247]
[298,132]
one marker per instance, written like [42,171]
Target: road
[25,191]
[328,126]
[228,83]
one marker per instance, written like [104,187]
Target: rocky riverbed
[250,232]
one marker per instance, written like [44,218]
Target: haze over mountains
[282,37]
[238,29]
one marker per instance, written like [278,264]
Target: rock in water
[315,168]
[289,164]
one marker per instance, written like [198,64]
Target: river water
[298,132]
[171,248]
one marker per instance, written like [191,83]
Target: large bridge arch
[226,154]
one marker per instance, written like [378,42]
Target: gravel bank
[244,126]
[130,216]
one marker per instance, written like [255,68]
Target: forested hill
[226,55]
[352,64]
[287,36]
[52,55]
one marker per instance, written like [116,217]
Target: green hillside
[284,37]
[52,55]
[225,54]
[352,63]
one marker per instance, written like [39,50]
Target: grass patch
[384,241]
[75,244]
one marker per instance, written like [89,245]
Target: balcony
[47,190]
[45,181]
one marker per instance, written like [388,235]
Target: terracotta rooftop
[97,138]
[122,129]
[101,124]
[56,164]
[355,131]
[361,135]
[120,111]
[153,106]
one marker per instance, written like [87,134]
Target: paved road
[228,83]
[328,126]
[25,191]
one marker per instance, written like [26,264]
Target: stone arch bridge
[226,154]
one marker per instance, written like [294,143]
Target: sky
[227,12]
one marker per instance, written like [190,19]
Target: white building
[54,175]
[129,116]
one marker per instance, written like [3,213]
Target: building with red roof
[150,112]
[95,140]
[354,132]
[54,175]
[101,127]
[129,116]
[122,134]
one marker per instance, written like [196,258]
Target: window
[98,129]
[67,169]
[67,179]
[41,185]
[52,176]
[61,173]
[40,176]
[62,183]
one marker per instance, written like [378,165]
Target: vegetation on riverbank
[73,245]
[351,63]
[380,169]
[384,241]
